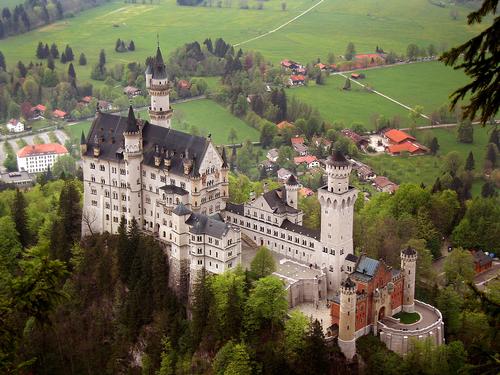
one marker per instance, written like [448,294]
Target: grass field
[418,169]
[206,115]
[428,84]
[327,28]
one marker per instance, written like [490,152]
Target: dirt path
[383,95]
[280,26]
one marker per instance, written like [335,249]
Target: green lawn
[206,115]
[418,169]
[327,28]
[428,84]
[407,318]
[75,131]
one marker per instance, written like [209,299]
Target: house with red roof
[306,192]
[310,161]
[413,148]
[396,136]
[359,140]
[183,85]
[321,66]
[37,158]
[285,125]
[296,140]
[38,111]
[297,80]
[60,114]
[385,185]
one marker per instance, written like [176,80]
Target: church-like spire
[224,158]
[82,139]
[131,122]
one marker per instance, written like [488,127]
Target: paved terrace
[428,316]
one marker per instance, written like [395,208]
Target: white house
[15,126]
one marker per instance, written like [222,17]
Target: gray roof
[296,228]
[366,268]
[292,181]
[15,177]
[235,208]
[172,189]
[276,199]
[202,224]
[351,258]
[132,126]
[108,130]
[181,210]
[159,68]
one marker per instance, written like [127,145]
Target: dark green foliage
[314,358]
[20,218]
[465,132]
[200,306]
[469,163]
[494,136]
[131,46]
[63,58]
[71,73]
[102,58]
[481,66]
[22,69]
[434,146]
[350,51]
[347,84]
[54,51]
[82,60]
[2,61]
[491,155]
[69,53]
[50,63]
[488,190]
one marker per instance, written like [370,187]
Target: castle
[176,185]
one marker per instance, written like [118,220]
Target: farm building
[395,136]
[413,148]
[57,113]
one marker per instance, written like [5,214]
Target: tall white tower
[347,321]
[337,210]
[160,112]
[292,191]
[409,268]
[133,158]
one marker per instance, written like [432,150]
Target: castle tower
[224,175]
[292,191]
[337,211]
[347,321]
[133,158]
[409,269]
[160,112]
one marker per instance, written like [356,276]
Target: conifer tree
[469,163]
[63,58]
[200,307]
[465,132]
[46,51]
[20,218]
[123,249]
[54,51]
[69,53]
[22,69]
[118,44]
[434,146]
[491,155]
[131,46]
[488,190]
[83,59]
[102,58]
[347,84]
[50,63]
[39,50]
[494,136]
[2,61]
[314,358]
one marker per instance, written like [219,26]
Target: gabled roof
[59,113]
[398,136]
[202,224]
[173,189]
[297,140]
[365,268]
[406,146]
[308,159]
[181,210]
[43,149]
[276,199]
[284,124]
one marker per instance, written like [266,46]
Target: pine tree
[102,58]
[83,59]
[20,218]
[22,69]
[50,63]
[71,73]
[131,46]
[208,44]
[491,155]
[469,163]
[69,53]
[2,61]
[437,186]
[54,51]
[2,30]
[118,44]
[63,58]
[200,307]
[314,357]
[350,51]
[46,51]
[465,132]
[123,250]
[39,50]
[494,136]
[488,190]
[434,146]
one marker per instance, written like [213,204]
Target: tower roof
[292,181]
[149,69]
[159,69]
[409,251]
[131,122]
[337,159]
[348,283]
[82,139]
[224,158]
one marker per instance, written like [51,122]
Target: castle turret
[160,112]
[292,191]
[133,158]
[347,321]
[225,180]
[409,268]
[83,144]
[337,211]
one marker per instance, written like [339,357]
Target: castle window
[107,217]
[92,178]
[92,166]
[163,178]
[113,169]
[115,219]
[94,203]
[325,250]
[103,181]
[102,168]
[153,176]
[107,206]
[143,173]
[93,192]
[183,185]
[106,193]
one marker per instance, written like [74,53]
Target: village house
[396,136]
[385,185]
[412,148]
[15,126]
[306,192]
[269,166]
[105,105]
[482,261]
[37,158]
[86,100]
[38,111]
[272,155]
[321,67]
[59,114]
[300,149]
[283,174]
[297,80]
[359,140]
[310,161]
[284,125]
[325,143]
[183,85]
[364,172]
[21,180]
[131,91]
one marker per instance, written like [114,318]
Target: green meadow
[428,84]
[327,28]
[203,116]
[418,169]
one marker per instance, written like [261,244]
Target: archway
[381,313]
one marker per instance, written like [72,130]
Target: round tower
[292,191]
[347,321]
[160,112]
[409,268]
[133,157]
[338,170]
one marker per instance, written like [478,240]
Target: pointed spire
[224,158]
[82,138]
[292,181]
[131,122]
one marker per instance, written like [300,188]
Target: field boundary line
[384,96]
[280,26]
